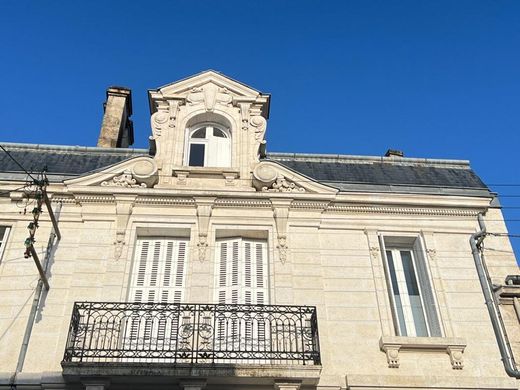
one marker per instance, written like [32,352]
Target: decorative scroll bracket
[281,218]
[204,208]
[124,207]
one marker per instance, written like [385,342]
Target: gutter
[475,241]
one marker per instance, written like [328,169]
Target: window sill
[229,174]
[453,346]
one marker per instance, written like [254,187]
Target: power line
[17,163]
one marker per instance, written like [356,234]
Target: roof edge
[366,159]
[75,148]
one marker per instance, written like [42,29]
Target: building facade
[205,262]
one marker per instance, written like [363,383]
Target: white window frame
[209,142]
[414,245]
[3,240]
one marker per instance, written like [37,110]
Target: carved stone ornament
[281,184]
[260,125]
[210,95]
[140,175]
[204,208]
[374,252]
[267,179]
[124,180]
[456,354]
[283,249]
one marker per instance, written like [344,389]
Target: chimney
[117,129]
[394,153]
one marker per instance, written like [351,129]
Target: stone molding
[453,346]
[344,208]
[248,203]
[165,201]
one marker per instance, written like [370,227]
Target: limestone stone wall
[332,260]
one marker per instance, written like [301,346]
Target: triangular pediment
[185,86]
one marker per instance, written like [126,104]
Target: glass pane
[200,133]
[219,133]
[197,155]
[414,295]
[397,296]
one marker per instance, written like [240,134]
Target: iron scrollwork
[192,333]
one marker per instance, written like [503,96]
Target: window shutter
[241,271]
[159,271]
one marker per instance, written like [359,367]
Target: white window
[410,288]
[4,233]
[159,270]
[208,146]
[241,271]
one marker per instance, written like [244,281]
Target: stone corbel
[453,346]
[456,354]
[124,207]
[281,218]
[392,354]
[204,208]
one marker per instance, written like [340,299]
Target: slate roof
[347,173]
[62,162]
[390,173]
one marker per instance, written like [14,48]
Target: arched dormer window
[209,145]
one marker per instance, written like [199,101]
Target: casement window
[241,271]
[410,287]
[159,270]
[208,146]
[4,233]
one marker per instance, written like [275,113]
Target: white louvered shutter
[158,276]
[241,271]
[159,271]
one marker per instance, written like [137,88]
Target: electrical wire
[16,162]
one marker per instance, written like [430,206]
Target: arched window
[209,145]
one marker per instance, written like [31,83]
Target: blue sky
[438,79]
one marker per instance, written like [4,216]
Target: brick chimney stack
[117,129]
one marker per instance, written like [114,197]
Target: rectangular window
[4,233]
[241,271]
[159,270]
[410,287]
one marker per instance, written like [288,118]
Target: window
[4,232]
[410,287]
[209,146]
[241,271]
[159,270]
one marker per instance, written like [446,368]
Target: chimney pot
[394,153]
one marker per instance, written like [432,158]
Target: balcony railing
[192,334]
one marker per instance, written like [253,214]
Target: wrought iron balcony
[192,334]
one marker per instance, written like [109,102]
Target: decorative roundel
[265,173]
[144,169]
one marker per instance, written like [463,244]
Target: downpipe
[491,303]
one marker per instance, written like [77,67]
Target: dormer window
[209,145]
